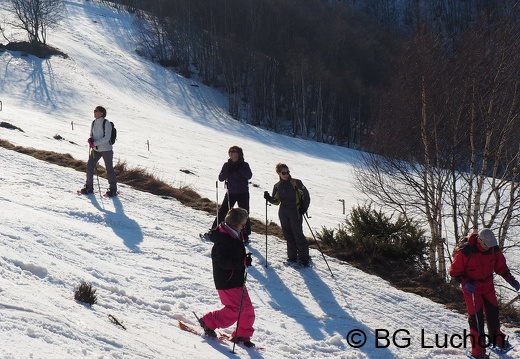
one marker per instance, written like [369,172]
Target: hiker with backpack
[236,173]
[473,266]
[230,260]
[100,146]
[293,198]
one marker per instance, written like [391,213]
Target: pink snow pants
[228,315]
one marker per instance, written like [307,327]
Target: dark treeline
[323,70]
[453,96]
[295,66]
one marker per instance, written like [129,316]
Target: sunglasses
[285,173]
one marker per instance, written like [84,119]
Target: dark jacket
[237,175]
[291,195]
[472,263]
[228,257]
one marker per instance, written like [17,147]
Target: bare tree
[36,17]
[447,133]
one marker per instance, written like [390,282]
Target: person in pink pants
[230,260]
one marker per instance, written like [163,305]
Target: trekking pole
[216,191]
[227,195]
[91,153]
[476,317]
[266,233]
[318,243]
[240,310]
[99,186]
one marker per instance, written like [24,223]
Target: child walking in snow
[230,260]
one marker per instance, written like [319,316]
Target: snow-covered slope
[142,253]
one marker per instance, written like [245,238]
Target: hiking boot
[246,341]
[111,193]
[207,331]
[504,346]
[87,190]
[480,356]
[291,262]
[304,262]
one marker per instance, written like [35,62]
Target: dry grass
[140,179]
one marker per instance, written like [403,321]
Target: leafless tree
[451,154]
[36,17]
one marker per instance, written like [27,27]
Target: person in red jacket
[473,267]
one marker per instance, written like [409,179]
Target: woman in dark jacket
[229,263]
[293,198]
[236,173]
[473,267]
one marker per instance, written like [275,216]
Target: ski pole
[216,192]
[239,311]
[266,233]
[227,195]
[476,317]
[97,177]
[318,243]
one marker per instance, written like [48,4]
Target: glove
[302,211]
[249,260]
[267,196]
[232,166]
[470,286]
[91,142]
[514,283]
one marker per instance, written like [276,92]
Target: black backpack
[113,135]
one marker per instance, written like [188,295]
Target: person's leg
[247,319]
[243,202]
[476,323]
[496,336]
[223,210]
[108,157]
[302,246]
[228,315]
[285,223]
[93,159]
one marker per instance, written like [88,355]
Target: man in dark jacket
[293,198]
[473,267]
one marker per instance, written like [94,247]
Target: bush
[85,293]
[372,234]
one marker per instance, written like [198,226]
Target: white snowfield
[141,252]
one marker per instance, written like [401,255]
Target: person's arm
[458,268]
[502,269]
[224,172]
[245,170]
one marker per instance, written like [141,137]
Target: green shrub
[372,234]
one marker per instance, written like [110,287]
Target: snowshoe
[86,190]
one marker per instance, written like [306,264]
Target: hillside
[142,252]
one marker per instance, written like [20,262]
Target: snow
[142,253]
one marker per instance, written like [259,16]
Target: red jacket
[472,263]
